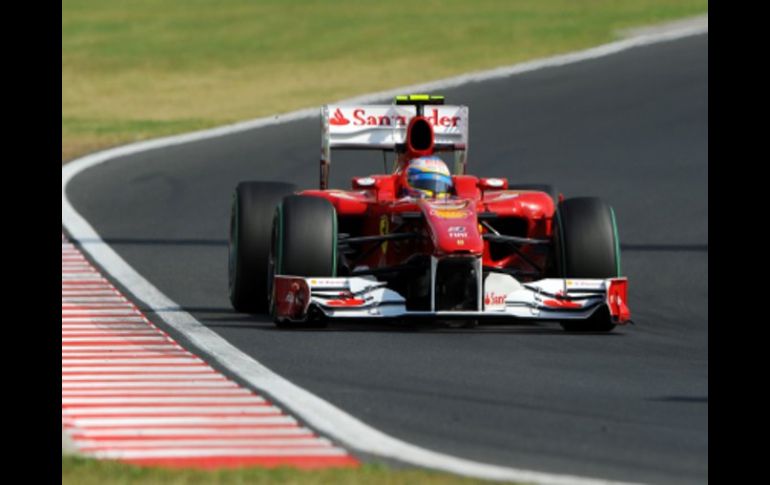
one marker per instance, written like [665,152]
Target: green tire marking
[617,240]
[563,262]
[334,243]
[232,249]
[279,242]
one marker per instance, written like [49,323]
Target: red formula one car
[422,242]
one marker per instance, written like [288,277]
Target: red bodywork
[450,225]
[376,206]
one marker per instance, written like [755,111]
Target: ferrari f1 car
[421,242]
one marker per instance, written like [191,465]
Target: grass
[136,69]
[83,471]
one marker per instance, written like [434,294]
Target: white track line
[317,412]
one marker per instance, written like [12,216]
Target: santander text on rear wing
[384,126]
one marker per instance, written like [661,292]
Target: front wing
[299,299]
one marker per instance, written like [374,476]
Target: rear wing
[383,127]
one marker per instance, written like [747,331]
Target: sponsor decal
[494,182]
[447,205]
[494,299]
[561,304]
[458,232]
[503,196]
[338,119]
[328,282]
[361,118]
[449,214]
[291,296]
[497,287]
[346,302]
[596,285]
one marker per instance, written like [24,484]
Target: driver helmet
[428,177]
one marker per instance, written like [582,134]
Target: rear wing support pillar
[326,151]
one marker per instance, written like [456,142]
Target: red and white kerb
[131,393]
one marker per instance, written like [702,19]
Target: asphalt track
[633,405]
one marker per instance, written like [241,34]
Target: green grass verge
[146,68]
[83,471]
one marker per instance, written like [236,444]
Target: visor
[435,182]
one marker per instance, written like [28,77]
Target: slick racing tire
[587,246]
[251,220]
[304,242]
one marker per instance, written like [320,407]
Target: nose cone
[453,225]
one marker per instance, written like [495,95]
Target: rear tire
[304,241]
[587,246]
[251,218]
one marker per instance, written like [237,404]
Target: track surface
[631,128]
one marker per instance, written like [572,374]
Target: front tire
[251,218]
[307,237]
[304,241]
[587,246]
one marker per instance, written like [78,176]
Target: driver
[427,177]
